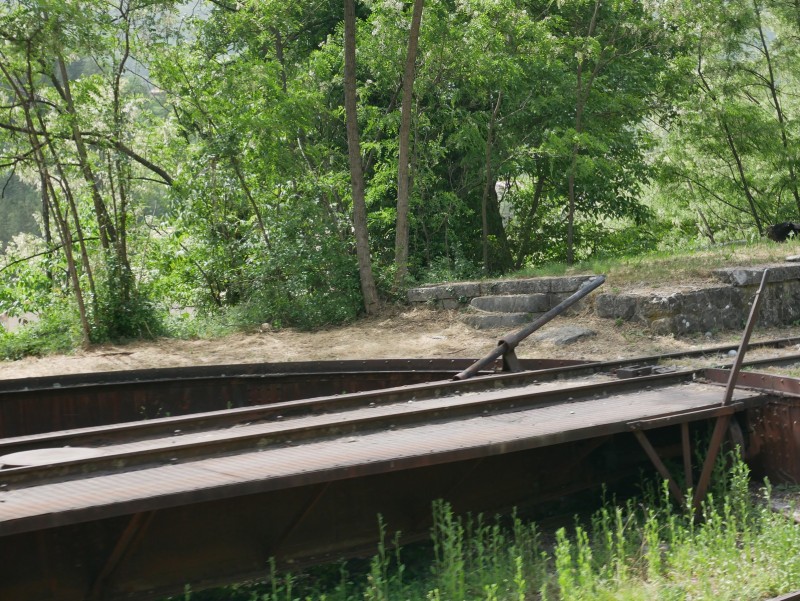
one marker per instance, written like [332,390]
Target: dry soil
[395,333]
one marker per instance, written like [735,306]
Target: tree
[731,154]
[368,288]
[616,46]
[57,125]
[401,235]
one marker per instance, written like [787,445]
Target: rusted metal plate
[208,498]
[443,431]
[220,541]
[773,428]
[770,383]
[774,440]
[37,405]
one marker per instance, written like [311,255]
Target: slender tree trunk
[751,201]
[48,236]
[106,227]
[525,235]
[581,98]
[246,188]
[489,183]
[64,184]
[368,288]
[773,88]
[87,266]
[66,238]
[27,96]
[731,146]
[122,174]
[401,232]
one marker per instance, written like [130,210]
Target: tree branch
[44,252]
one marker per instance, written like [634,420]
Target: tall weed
[645,549]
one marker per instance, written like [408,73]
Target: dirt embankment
[396,333]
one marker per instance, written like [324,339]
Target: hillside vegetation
[302,163]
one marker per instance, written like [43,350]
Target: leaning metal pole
[723,420]
[506,345]
[751,323]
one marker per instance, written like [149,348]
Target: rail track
[137,509]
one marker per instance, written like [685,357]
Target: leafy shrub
[123,309]
[56,331]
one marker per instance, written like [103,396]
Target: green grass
[660,268]
[789,371]
[645,549]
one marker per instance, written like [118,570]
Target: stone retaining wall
[724,307]
[549,291]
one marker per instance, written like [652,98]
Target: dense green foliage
[169,155]
[645,549]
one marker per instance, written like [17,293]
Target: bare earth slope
[393,334]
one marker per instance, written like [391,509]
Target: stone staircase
[500,304]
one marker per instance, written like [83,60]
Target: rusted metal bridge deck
[214,463]
[138,510]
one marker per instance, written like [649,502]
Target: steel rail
[100,435]
[776,385]
[241,370]
[368,419]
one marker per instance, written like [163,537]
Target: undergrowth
[56,331]
[643,549]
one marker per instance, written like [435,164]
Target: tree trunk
[751,201]
[64,184]
[581,98]
[66,239]
[773,89]
[106,227]
[731,146]
[401,231]
[489,183]
[526,228]
[368,288]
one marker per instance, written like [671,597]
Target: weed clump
[737,548]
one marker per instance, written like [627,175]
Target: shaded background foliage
[164,155]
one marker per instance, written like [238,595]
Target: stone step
[513,303]
[457,294]
[491,321]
